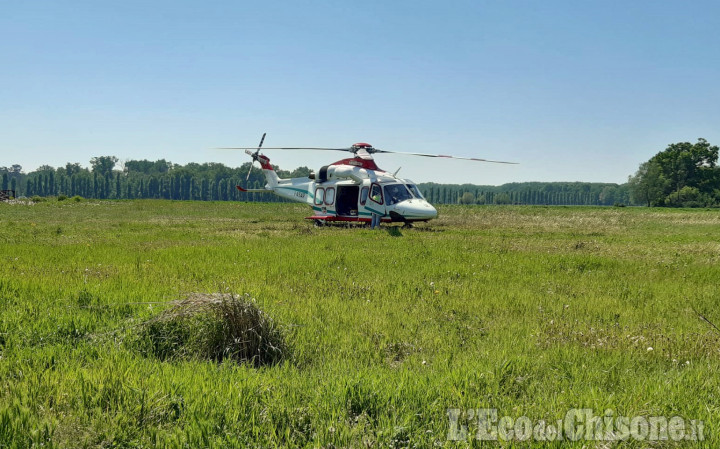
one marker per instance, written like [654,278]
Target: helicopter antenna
[396,171]
[255,157]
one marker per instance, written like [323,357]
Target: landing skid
[349,221]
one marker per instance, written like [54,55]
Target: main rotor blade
[445,156]
[372,151]
[286,148]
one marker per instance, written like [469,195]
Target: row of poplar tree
[216,182]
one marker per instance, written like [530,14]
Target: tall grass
[529,310]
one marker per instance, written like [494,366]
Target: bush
[62,197]
[502,198]
[77,198]
[38,199]
[687,197]
[214,327]
[693,204]
[467,198]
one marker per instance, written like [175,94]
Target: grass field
[532,311]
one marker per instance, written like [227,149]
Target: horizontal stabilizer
[254,190]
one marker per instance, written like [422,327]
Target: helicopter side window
[319,196]
[329,195]
[364,195]
[376,194]
[396,193]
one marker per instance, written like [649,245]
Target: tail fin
[270,176]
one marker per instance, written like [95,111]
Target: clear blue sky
[573,90]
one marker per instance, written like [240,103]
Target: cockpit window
[394,193]
[415,191]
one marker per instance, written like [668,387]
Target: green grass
[528,310]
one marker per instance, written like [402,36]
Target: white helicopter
[352,189]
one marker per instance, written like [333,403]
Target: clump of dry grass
[214,327]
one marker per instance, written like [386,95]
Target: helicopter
[351,190]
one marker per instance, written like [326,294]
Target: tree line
[684,174]
[216,182]
[142,179]
[533,193]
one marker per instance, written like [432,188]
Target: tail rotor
[254,156]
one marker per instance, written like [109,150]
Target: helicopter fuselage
[351,190]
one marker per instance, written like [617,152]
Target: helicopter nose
[416,209]
[430,211]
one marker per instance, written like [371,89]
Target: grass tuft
[215,327]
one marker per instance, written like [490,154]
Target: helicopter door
[375,203]
[347,200]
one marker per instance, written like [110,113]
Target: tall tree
[15,170]
[660,181]
[649,184]
[71,169]
[103,164]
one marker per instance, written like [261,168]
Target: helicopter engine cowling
[334,172]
